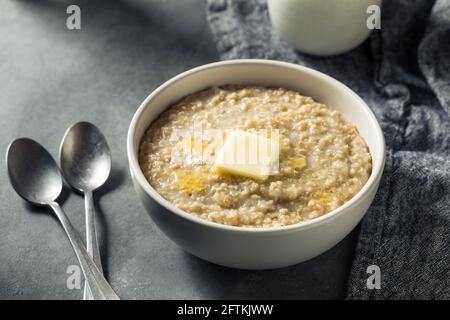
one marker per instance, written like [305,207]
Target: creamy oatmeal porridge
[323,161]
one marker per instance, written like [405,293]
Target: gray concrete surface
[51,77]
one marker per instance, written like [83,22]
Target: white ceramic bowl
[262,248]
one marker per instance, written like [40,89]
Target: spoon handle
[91,239]
[99,287]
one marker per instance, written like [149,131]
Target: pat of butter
[249,155]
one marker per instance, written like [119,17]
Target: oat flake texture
[323,161]
[403,73]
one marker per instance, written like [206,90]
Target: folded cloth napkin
[403,73]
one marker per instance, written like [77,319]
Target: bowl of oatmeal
[255,164]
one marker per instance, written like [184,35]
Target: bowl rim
[136,171]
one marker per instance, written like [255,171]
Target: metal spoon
[85,161]
[36,177]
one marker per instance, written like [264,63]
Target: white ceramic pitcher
[323,27]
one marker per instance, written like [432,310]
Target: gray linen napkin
[403,73]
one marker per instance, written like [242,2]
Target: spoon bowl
[33,173]
[85,157]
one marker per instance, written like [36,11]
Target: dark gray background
[51,77]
